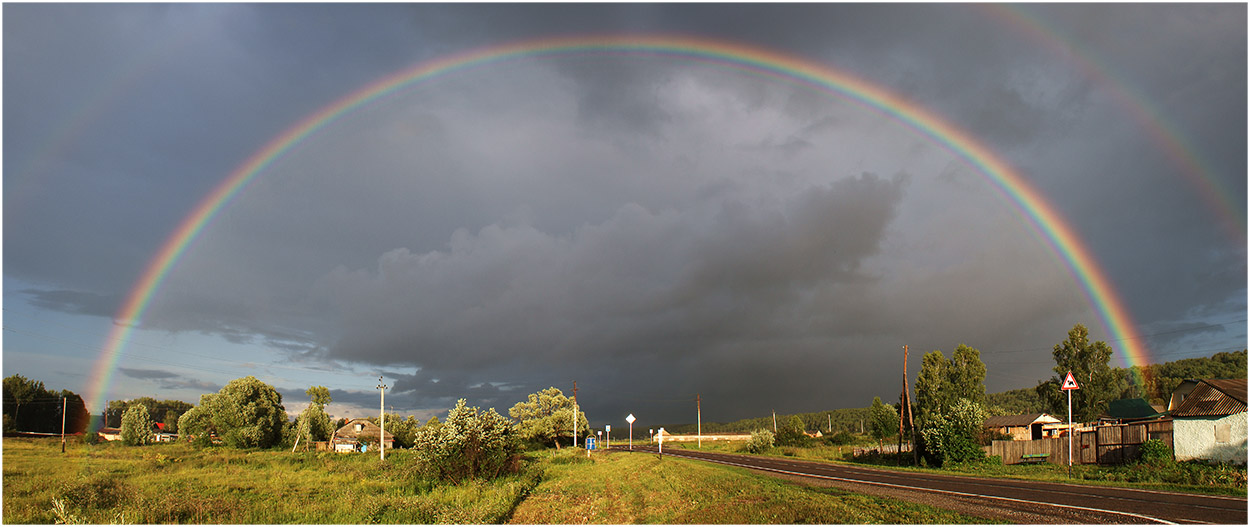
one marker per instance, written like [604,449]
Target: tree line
[31,407]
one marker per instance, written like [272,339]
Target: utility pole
[911,422]
[830,416]
[63,402]
[698,402]
[382,421]
[774,422]
[575,414]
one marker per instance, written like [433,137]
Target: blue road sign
[590,443]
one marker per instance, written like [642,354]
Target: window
[1223,432]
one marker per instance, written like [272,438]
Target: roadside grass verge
[1193,477]
[635,488]
[178,483]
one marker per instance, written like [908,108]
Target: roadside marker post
[1069,384]
[660,436]
[630,419]
[607,429]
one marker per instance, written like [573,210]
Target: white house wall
[1194,438]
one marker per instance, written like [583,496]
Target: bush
[1155,452]
[761,440]
[840,438]
[951,437]
[471,444]
[792,434]
[137,426]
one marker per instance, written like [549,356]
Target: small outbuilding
[1022,427]
[1209,420]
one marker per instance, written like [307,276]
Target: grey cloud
[641,284]
[76,302]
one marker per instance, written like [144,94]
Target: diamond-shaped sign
[630,419]
[1069,383]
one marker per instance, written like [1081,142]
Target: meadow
[178,483]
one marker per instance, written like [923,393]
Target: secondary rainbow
[1044,218]
[1221,201]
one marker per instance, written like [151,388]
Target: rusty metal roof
[1214,397]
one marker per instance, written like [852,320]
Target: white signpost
[660,437]
[630,418]
[1069,384]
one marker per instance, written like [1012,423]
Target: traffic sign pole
[1069,384]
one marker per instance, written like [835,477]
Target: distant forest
[1154,383]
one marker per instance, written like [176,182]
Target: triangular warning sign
[1069,383]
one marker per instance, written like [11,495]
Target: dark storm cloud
[644,225]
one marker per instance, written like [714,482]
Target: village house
[1023,427]
[360,431]
[1209,420]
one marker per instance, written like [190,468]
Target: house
[1023,427]
[359,431]
[1209,420]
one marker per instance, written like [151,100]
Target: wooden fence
[1106,444]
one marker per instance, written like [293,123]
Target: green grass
[634,488]
[167,483]
[1192,477]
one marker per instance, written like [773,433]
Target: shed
[1023,427]
[362,431]
[1210,422]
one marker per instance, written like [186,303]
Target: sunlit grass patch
[631,488]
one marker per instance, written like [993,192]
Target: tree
[471,444]
[320,395]
[931,389]
[942,382]
[547,417]
[314,424]
[137,426]
[1090,366]
[246,413]
[792,433]
[884,420]
[18,392]
[966,375]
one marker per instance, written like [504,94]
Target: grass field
[633,488]
[167,483]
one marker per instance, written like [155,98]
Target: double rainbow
[1040,214]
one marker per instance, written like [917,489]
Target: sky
[648,225]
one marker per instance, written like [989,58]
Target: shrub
[951,437]
[792,434]
[1155,452]
[471,444]
[840,438]
[761,440]
[137,426]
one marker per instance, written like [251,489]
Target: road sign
[590,443]
[629,419]
[607,428]
[1069,383]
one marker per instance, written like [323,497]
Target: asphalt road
[1017,501]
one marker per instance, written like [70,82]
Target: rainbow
[1060,237]
[1219,199]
